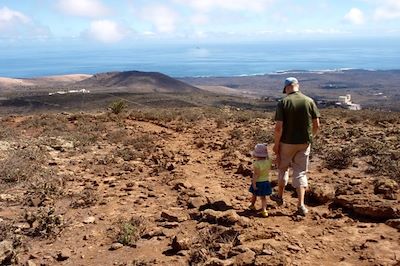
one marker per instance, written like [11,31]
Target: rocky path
[193,208]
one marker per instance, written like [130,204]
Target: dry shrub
[44,222]
[86,198]
[339,159]
[118,106]
[128,154]
[8,132]
[22,164]
[236,134]
[130,231]
[260,135]
[46,186]
[369,146]
[386,164]
[209,241]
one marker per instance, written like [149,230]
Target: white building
[345,102]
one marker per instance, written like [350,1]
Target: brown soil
[181,176]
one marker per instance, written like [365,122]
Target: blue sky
[113,22]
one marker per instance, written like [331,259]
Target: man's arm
[315,126]
[277,136]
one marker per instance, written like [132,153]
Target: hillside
[136,81]
[169,186]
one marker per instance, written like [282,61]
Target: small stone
[179,243]
[89,220]
[174,216]
[64,254]
[355,182]
[197,202]
[116,246]
[294,248]
[30,263]
[267,252]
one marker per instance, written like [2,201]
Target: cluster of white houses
[83,91]
[345,102]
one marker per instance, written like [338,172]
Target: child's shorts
[263,189]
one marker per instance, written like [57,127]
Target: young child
[260,182]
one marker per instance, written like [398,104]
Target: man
[297,121]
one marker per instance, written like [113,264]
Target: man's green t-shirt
[296,111]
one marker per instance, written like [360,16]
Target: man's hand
[276,149]
[254,185]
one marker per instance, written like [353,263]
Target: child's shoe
[263,213]
[252,207]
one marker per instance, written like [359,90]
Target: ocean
[202,60]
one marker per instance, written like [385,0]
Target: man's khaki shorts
[294,156]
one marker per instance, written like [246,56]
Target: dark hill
[137,81]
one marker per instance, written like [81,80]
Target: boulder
[226,218]
[180,243]
[320,193]
[217,262]
[6,252]
[395,223]
[217,204]
[372,208]
[244,170]
[246,258]
[174,215]
[197,202]
[387,187]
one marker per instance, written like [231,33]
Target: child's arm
[256,174]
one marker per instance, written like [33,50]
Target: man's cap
[290,81]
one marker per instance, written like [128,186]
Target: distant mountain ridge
[138,81]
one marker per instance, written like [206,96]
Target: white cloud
[354,16]
[233,5]
[10,17]
[389,9]
[199,19]
[162,18]
[106,31]
[83,8]
[17,25]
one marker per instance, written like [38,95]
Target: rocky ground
[170,187]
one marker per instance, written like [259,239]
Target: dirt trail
[183,178]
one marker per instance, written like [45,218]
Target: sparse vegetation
[22,164]
[44,223]
[339,159]
[118,106]
[209,242]
[139,162]
[130,231]
[86,198]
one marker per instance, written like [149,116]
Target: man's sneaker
[302,210]
[263,214]
[276,198]
[252,207]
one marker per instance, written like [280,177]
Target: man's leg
[285,157]
[301,191]
[300,182]
[282,180]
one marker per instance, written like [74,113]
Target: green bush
[118,106]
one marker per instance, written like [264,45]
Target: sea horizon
[203,60]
